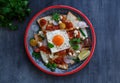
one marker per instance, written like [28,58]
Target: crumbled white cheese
[77,27]
[70,53]
[82,24]
[39,44]
[40,33]
[77,51]
[75,33]
[59,22]
[74,54]
[83,37]
[50,21]
[61,16]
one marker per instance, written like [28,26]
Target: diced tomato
[49,27]
[70,50]
[55,27]
[45,49]
[78,36]
[69,25]
[61,53]
[63,19]
[43,22]
[87,42]
[59,60]
[52,27]
[71,34]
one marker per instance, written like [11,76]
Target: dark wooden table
[104,66]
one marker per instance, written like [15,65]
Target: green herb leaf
[11,11]
[75,40]
[50,45]
[56,17]
[25,3]
[6,10]
[51,66]
[75,47]
[36,55]
[79,18]
[77,60]
[74,43]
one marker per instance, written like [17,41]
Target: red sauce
[61,53]
[52,27]
[59,60]
[63,19]
[70,50]
[87,42]
[56,27]
[45,49]
[43,22]
[49,27]
[71,34]
[69,25]
[78,36]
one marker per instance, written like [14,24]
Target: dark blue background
[104,66]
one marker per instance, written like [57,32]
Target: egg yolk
[58,40]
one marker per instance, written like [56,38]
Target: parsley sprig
[56,17]
[36,55]
[74,43]
[50,45]
[51,66]
[12,10]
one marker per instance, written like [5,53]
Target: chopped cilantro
[36,55]
[50,45]
[51,66]
[77,60]
[74,43]
[56,17]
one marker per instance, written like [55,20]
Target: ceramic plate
[33,28]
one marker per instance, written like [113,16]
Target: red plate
[29,32]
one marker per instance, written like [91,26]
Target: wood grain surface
[104,66]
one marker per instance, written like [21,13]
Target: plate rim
[92,33]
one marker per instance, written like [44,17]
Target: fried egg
[60,40]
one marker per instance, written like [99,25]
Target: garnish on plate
[12,10]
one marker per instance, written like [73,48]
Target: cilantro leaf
[50,45]
[56,17]
[75,47]
[77,60]
[74,43]
[11,11]
[36,55]
[51,66]
[75,40]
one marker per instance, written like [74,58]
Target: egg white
[63,33]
